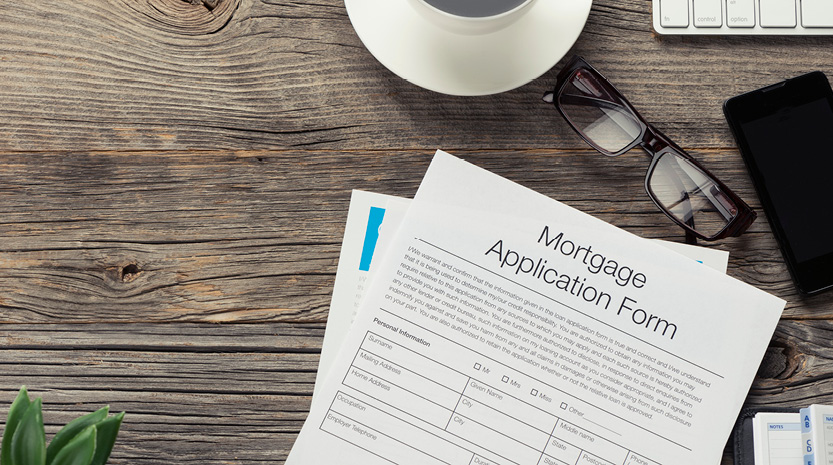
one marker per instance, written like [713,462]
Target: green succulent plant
[87,440]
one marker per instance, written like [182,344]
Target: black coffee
[475,8]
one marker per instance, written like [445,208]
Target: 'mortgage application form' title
[625,277]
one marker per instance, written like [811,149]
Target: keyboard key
[778,13]
[742,17]
[708,13]
[816,13]
[673,13]
[741,13]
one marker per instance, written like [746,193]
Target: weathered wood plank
[209,394]
[798,369]
[162,74]
[254,236]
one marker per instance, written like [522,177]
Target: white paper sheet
[456,359]
[372,220]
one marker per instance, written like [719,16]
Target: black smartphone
[785,135]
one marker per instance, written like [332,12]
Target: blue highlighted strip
[371,236]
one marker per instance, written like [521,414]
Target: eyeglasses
[685,191]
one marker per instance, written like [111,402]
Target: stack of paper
[502,327]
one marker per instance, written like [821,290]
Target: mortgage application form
[503,327]
[372,221]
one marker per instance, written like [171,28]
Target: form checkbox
[533,392]
[505,379]
[564,406]
[476,366]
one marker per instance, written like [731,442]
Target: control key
[708,13]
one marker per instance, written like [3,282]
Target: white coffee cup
[472,16]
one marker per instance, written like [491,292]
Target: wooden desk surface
[174,182]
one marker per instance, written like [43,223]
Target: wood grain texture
[207,394]
[274,74]
[254,236]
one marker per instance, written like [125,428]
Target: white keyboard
[744,17]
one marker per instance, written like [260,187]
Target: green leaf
[16,411]
[28,442]
[79,450]
[106,437]
[71,430]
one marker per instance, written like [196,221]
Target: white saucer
[455,63]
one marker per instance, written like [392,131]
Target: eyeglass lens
[602,117]
[688,194]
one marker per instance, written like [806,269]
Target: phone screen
[785,133]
